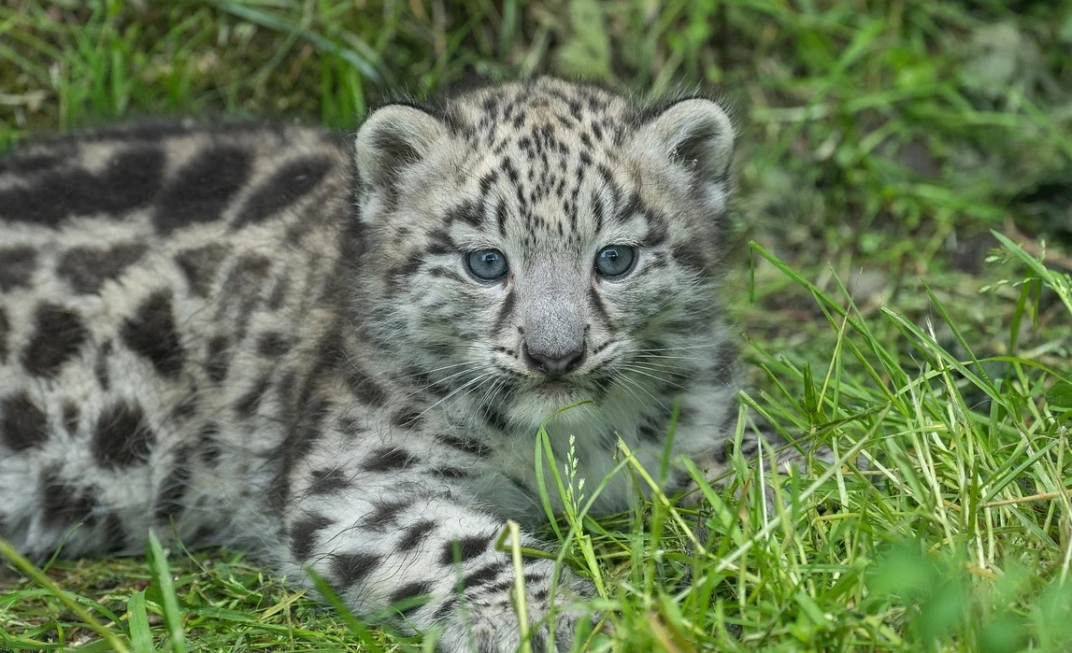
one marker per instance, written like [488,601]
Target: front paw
[485,619]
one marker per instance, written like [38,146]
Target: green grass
[888,149]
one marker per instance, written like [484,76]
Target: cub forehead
[540,108]
[544,161]
[545,151]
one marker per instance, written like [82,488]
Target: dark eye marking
[657,230]
[440,242]
[468,213]
[444,273]
[506,310]
[629,208]
[500,218]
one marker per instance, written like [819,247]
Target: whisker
[440,369]
[475,380]
[618,383]
[632,368]
[443,380]
[638,386]
[669,358]
[711,345]
[656,365]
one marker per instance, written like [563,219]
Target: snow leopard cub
[337,351]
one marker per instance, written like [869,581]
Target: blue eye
[615,261]
[487,264]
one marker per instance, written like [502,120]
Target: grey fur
[266,364]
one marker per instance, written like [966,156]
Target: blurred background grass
[880,142]
[893,132]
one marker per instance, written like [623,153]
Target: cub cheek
[606,349]
[654,300]
[507,355]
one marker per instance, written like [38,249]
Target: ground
[903,166]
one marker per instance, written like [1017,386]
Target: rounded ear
[392,138]
[696,134]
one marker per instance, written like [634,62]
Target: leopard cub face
[541,244]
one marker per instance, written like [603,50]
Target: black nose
[553,364]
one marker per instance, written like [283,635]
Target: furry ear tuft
[696,134]
[692,140]
[393,138]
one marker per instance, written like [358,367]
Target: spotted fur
[237,335]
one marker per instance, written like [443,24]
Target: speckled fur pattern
[266,335]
